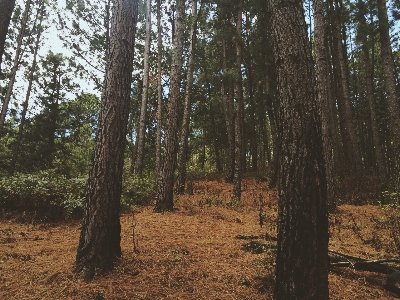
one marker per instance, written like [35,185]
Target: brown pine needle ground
[191,253]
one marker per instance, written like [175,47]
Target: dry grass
[191,253]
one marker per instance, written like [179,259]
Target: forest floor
[193,252]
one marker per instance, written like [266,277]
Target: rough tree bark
[145,92]
[165,199]
[6,9]
[99,243]
[183,149]
[324,97]
[17,60]
[302,257]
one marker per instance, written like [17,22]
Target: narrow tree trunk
[145,92]
[17,61]
[239,109]
[302,258]
[324,95]
[165,200]
[28,93]
[228,104]
[213,125]
[6,9]
[252,109]
[388,70]
[99,243]
[159,88]
[273,121]
[350,144]
[183,149]
[379,163]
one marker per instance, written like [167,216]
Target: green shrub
[48,195]
[138,190]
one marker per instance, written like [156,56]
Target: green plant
[48,195]
[138,190]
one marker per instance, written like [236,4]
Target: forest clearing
[191,253]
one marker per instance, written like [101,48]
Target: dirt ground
[191,253]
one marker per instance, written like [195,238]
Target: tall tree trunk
[379,163]
[239,109]
[165,199]
[350,144]
[252,109]
[324,95]
[273,121]
[302,259]
[213,125]
[145,92]
[388,70]
[17,60]
[183,149]
[159,88]
[99,243]
[228,104]
[28,92]
[6,9]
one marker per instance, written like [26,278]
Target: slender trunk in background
[239,108]
[28,93]
[302,262]
[228,104]
[165,199]
[17,60]
[99,243]
[213,125]
[350,144]
[6,9]
[159,88]
[324,97]
[145,92]
[388,70]
[273,121]
[379,163]
[252,104]
[183,149]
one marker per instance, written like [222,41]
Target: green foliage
[391,199]
[138,190]
[45,194]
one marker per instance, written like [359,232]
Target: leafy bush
[138,190]
[48,195]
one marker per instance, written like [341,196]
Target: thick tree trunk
[183,149]
[388,70]
[165,199]
[324,97]
[6,9]
[28,93]
[159,88]
[99,243]
[302,258]
[145,92]
[239,108]
[17,60]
